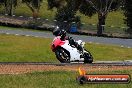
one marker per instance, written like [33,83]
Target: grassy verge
[13,28]
[31,49]
[54,79]
[109,52]
[113,19]
[13,48]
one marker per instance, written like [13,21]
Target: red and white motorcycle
[67,53]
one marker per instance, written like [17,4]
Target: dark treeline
[67,9]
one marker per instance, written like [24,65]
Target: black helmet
[63,33]
[58,32]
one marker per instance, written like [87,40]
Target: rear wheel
[88,58]
[62,55]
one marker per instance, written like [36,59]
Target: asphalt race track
[96,63]
[114,41]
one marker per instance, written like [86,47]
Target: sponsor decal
[102,78]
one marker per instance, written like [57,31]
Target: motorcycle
[67,53]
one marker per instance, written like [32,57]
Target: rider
[62,33]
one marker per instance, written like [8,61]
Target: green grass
[109,52]
[113,19]
[13,48]
[55,79]
[31,49]
[13,28]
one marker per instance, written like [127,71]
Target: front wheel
[62,55]
[88,58]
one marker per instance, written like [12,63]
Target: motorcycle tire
[62,55]
[88,58]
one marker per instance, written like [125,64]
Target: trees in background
[102,8]
[34,6]
[56,4]
[9,6]
[128,15]
[66,12]
[67,9]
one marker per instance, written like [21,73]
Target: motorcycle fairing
[74,53]
[57,42]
